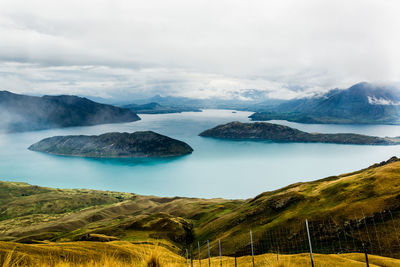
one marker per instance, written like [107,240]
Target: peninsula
[281,133]
[21,113]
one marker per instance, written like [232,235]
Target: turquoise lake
[216,168]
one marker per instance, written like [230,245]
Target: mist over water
[217,168]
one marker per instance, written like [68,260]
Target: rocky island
[281,133]
[114,145]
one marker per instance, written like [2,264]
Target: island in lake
[281,133]
[113,145]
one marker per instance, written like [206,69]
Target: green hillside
[30,214]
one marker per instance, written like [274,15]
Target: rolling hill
[31,214]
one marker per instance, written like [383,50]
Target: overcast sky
[196,48]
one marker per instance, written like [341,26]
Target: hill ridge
[26,113]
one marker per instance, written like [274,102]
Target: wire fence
[377,234]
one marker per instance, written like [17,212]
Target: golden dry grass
[274,260]
[110,254]
[82,254]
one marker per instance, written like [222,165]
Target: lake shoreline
[217,168]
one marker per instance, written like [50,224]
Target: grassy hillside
[120,253]
[86,254]
[31,214]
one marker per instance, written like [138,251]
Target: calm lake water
[217,168]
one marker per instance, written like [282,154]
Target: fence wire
[377,234]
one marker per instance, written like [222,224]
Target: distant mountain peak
[361,103]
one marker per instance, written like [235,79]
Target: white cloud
[117,82]
[382,101]
[196,48]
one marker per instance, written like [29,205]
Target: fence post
[187,257]
[309,243]
[220,254]
[191,255]
[366,254]
[252,248]
[277,255]
[209,256]
[198,245]
[395,229]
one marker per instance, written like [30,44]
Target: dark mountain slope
[24,113]
[362,103]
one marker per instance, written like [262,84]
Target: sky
[125,49]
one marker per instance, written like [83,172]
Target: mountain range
[25,113]
[362,103]
[156,108]
[158,103]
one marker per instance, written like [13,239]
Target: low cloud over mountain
[200,49]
